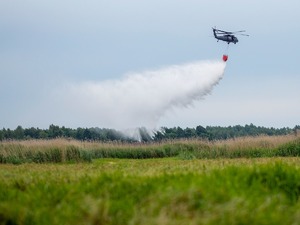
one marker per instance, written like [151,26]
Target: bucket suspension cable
[225,55]
[226,49]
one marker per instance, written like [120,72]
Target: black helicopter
[227,36]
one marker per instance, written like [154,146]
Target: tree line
[222,133]
[104,134]
[55,131]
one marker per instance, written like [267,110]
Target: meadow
[244,181]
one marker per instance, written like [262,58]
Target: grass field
[152,191]
[241,181]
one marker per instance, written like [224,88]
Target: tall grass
[41,152]
[61,150]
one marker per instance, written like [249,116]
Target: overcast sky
[48,44]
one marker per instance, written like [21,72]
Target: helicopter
[227,36]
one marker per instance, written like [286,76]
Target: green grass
[152,191]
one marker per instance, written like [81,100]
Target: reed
[63,150]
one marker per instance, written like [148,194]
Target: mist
[139,99]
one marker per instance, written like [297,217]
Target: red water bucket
[225,57]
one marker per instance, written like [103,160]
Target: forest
[105,134]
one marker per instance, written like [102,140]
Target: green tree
[202,132]
[54,131]
[80,134]
[1,135]
[8,134]
[189,132]
[19,133]
[31,133]
[87,134]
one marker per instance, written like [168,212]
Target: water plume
[140,99]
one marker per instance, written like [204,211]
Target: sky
[46,46]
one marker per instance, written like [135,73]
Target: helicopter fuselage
[229,38]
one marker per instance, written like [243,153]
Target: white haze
[138,99]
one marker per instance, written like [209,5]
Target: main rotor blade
[228,32]
[221,31]
[239,31]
